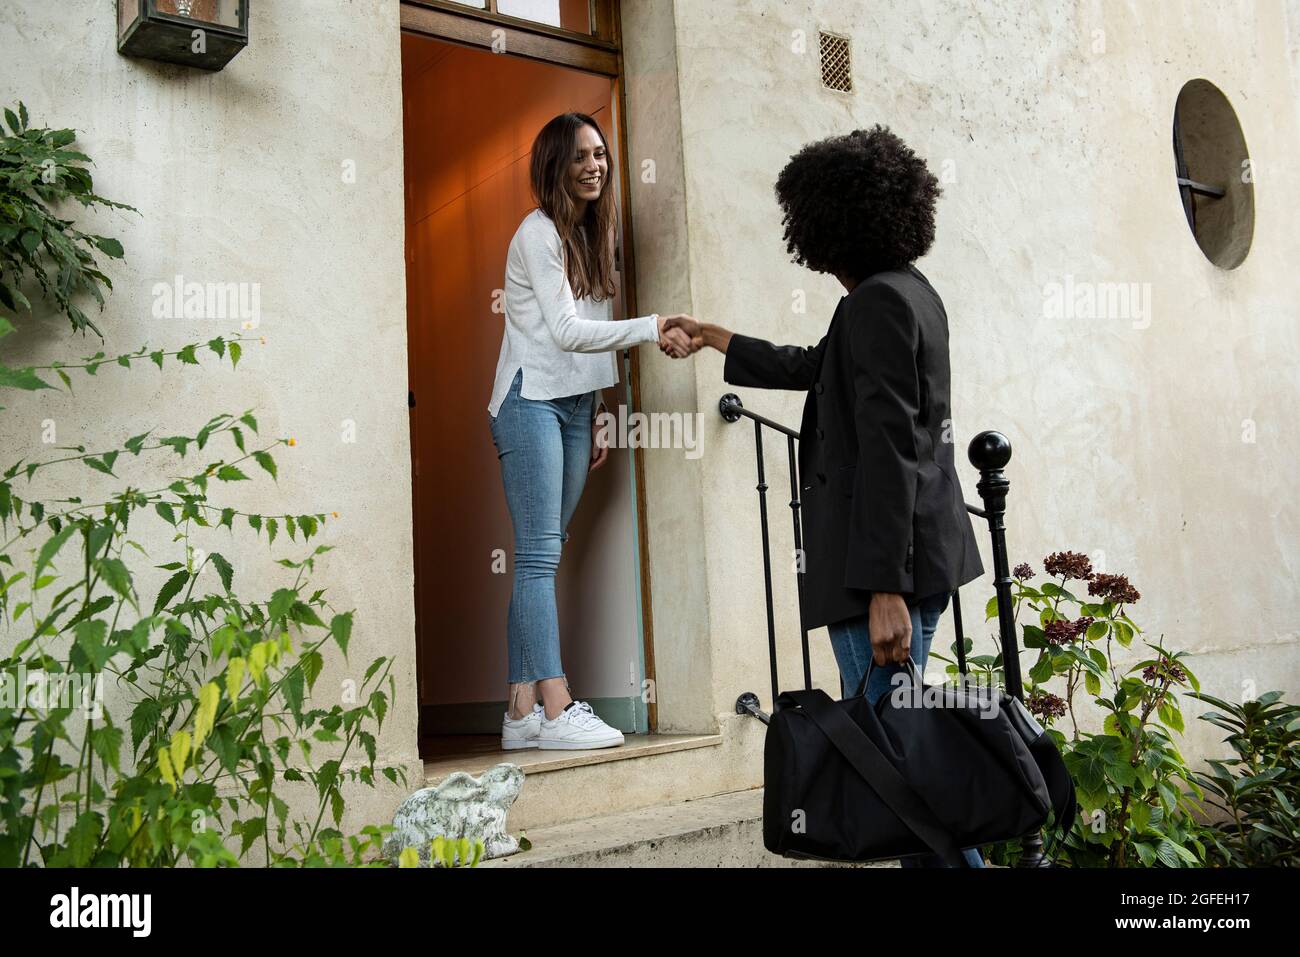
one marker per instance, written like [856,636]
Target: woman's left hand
[599,452]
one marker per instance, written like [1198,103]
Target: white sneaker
[520,733]
[576,728]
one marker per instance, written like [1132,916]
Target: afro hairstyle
[857,204]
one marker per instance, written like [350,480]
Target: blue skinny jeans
[544,446]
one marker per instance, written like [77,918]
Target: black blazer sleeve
[762,365]
[884,337]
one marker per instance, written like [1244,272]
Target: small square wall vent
[837,65]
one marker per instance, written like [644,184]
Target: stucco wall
[1049,124]
[239,176]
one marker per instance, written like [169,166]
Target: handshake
[680,336]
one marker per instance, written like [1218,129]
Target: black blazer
[882,508]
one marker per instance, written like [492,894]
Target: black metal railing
[989,452]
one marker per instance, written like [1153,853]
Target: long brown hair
[588,241]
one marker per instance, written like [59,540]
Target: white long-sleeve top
[565,346]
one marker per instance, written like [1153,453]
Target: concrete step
[649,771]
[725,830]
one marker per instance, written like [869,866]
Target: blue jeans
[852,644]
[544,446]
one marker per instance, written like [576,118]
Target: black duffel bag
[929,769]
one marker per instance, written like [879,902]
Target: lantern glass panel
[127,11]
[219,12]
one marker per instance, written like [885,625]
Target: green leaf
[51,548]
[264,459]
[281,601]
[136,443]
[292,687]
[251,832]
[179,443]
[1042,670]
[224,569]
[107,744]
[312,665]
[109,247]
[228,473]
[235,353]
[83,836]
[157,358]
[218,345]
[303,614]
[187,355]
[271,527]
[170,589]
[144,720]
[90,640]
[341,629]
[22,379]
[116,575]
[166,512]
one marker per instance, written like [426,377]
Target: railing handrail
[989,452]
[731,409]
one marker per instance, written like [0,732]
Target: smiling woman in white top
[557,353]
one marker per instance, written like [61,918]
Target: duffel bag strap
[874,768]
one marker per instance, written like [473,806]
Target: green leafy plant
[223,719]
[219,686]
[1136,793]
[1257,790]
[39,172]
[446,852]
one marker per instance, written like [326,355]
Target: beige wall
[1057,161]
[238,177]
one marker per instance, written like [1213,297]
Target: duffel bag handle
[910,665]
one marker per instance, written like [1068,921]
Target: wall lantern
[199,33]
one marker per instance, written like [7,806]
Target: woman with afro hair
[886,534]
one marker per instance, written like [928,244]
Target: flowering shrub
[1136,793]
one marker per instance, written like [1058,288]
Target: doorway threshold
[476,753]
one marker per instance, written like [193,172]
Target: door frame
[602,54]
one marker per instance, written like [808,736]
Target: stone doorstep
[610,779]
[536,761]
[725,830]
